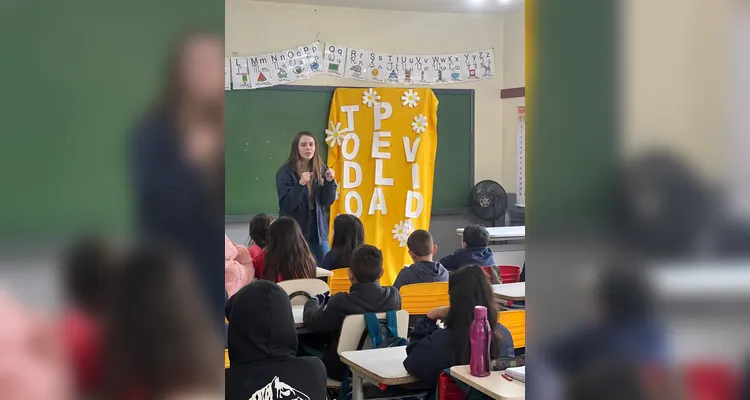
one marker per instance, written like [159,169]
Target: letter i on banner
[334,60]
[384,153]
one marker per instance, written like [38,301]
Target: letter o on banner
[345,146]
[348,203]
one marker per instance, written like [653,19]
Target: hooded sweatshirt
[263,348]
[238,267]
[481,256]
[421,272]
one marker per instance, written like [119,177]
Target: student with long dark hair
[287,255]
[259,227]
[348,234]
[432,349]
[305,186]
[159,344]
[177,157]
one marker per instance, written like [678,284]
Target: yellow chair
[339,281]
[515,321]
[419,298]
[226,358]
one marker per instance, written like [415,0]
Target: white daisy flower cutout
[420,124]
[401,231]
[370,97]
[410,98]
[335,135]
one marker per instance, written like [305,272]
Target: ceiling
[436,6]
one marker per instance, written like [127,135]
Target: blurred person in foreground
[624,331]
[33,364]
[87,276]
[159,343]
[178,163]
[263,348]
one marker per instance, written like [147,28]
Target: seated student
[287,256]
[424,270]
[348,234]
[263,347]
[236,273]
[258,234]
[87,275]
[325,315]
[473,250]
[432,349]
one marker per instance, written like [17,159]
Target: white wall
[254,27]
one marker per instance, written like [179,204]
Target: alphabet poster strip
[227,74]
[334,60]
[306,61]
[240,73]
[355,64]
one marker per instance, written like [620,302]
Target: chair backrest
[419,298]
[515,321]
[448,389]
[712,381]
[339,281]
[508,273]
[354,326]
[309,286]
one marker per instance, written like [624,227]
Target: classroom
[465,129]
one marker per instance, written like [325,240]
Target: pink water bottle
[480,335]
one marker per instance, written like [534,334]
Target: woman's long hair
[316,163]
[348,234]
[160,339]
[287,256]
[469,287]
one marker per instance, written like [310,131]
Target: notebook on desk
[517,373]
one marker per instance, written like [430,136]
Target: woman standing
[304,186]
[178,164]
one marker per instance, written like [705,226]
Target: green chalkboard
[77,75]
[260,125]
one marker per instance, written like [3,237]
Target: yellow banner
[382,145]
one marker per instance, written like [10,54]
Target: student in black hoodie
[424,270]
[263,347]
[473,250]
[432,349]
[326,315]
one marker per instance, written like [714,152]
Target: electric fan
[488,201]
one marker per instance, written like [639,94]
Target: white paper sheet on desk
[517,373]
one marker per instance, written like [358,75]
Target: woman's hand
[329,174]
[304,179]
[439,313]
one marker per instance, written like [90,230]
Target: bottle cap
[480,312]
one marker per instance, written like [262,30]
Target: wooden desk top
[382,366]
[510,291]
[494,385]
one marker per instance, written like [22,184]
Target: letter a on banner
[382,142]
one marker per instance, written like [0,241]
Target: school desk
[510,291]
[379,366]
[322,273]
[494,385]
[502,233]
